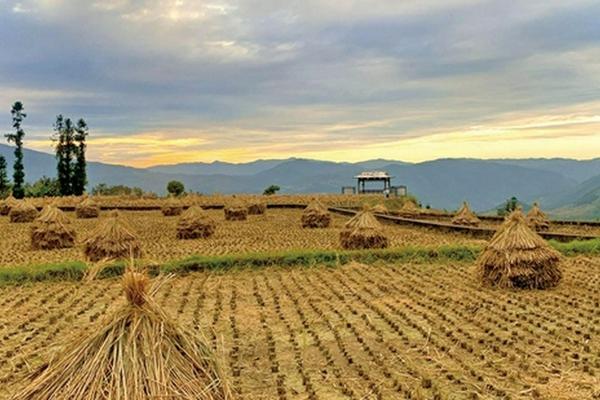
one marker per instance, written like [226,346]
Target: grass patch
[578,247]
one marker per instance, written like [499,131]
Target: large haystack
[380,209]
[257,207]
[517,257]
[23,211]
[537,220]
[7,204]
[111,240]
[172,207]
[52,230]
[315,215]
[195,223]
[409,209]
[235,210]
[137,353]
[465,216]
[363,231]
[87,209]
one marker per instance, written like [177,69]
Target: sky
[168,81]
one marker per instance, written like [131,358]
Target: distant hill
[443,183]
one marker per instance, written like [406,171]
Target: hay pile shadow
[537,219]
[137,353]
[517,257]
[22,211]
[52,230]
[315,215]
[195,223]
[257,207]
[235,210]
[112,240]
[87,209]
[7,204]
[172,207]
[363,231]
[465,216]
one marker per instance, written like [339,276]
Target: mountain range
[570,188]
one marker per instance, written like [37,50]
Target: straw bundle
[380,209]
[257,208]
[195,223]
[52,230]
[87,209]
[236,211]
[22,211]
[315,215]
[138,353]
[536,219]
[363,231]
[409,209]
[112,240]
[465,216]
[172,207]
[7,204]
[517,257]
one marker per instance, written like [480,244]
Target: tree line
[69,140]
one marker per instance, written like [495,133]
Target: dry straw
[409,209]
[138,353]
[465,216]
[7,204]
[195,223]
[236,210]
[23,211]
[172,207]
[52,230]
[315,215]
[517,257]
[536,219]
[363,231]
[257,207]
[380,209]
[87,209]
[112,239]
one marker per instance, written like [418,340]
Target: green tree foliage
[18,115]
[271,190]
[79,170]
[66,149]
[103,189]
[510,206]
[43,187]
[4,183]
[175,188]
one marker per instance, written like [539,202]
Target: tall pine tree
[79,170]
[4,183]
[18,116]
[65,151]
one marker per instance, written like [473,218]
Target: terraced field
[277,230]
[414,331]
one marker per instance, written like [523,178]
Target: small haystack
[517,257]
[537,220]
[195,223]
[52,230]
[363,231]
[380,209]
[23,211]
[315,215]
[111,240]
[236,210]
[172,207]
[138,353]
[257,207]
[465,216]
[87,209]
[409,209]
[7,204]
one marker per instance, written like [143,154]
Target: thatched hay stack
[195,223]
[315,215]
[137,353]
[52,230]
[111,240]
[87,209]
[380,209]
[409,209]
[172,207]
[465,216]
[536,219]
[363,231]
[257,207]
[236,210]
[23,211]
[517,257]
[7,204]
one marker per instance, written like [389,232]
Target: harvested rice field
[277,230]
[414,331]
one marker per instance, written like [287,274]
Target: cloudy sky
[165,81]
